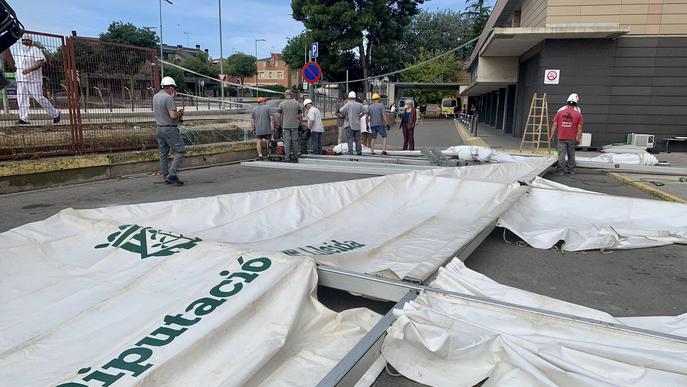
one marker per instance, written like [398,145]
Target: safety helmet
[307,101]
[351,94]
[168,81]
[375,96]
[573,98]
[26,37]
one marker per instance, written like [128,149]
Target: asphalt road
[623,283]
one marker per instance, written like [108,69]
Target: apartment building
[272,71]
[627,59]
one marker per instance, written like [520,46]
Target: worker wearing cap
[261,122]
[568,122]
[351,112]
[378,122]
[29,61]
[167,118]
[315,125]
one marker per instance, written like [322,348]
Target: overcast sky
[243,21]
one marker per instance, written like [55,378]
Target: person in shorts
[378,122]
[261,122]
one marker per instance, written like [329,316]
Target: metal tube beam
[379,287]
[650,169]
[356,363]
[371,159]
[378,169]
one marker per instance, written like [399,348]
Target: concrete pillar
[493,108]
[487,112]
[509,120]
[500,108]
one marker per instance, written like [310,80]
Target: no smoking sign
[552,77]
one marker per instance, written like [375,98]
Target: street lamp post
[256,63]
[162,67]
[221,56]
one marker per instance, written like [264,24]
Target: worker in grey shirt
[352,111]
[290,112]
[168,137]
[378,122]
[261,121]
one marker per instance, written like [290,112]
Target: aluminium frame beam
[649,169]
[354,365]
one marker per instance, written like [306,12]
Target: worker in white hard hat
[315,125]
[167,118]
[352,112]
[29,61]
[573,99]
[568,122]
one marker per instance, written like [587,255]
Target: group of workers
[288,117]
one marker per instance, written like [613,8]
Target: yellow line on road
[648,188]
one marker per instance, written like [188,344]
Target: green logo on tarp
[148,242]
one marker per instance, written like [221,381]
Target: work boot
[56,120]
[174,180]
[22,122]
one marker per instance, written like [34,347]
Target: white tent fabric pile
[96,302]
[219,290]
[483,154]
[441,340]
[397,226]
[588,220]
[638,158]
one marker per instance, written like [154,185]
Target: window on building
[261,75]
[280,75]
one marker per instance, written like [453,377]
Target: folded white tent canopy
[218,290]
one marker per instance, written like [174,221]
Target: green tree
[478,14]
[362,25]
[436,32]
[334,63]
[200,63]
[241,65]
[127,33]
[294,51]
[445,69]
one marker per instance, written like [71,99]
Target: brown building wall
[272,71]
[533,13]
[644,17]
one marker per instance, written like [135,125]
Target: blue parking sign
[315,49]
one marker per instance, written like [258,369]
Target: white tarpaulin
[397,225]
[484,154]
[588,221]
[526,171]
[640,158]
[93,302]
[441,340]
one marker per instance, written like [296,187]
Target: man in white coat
[29,61]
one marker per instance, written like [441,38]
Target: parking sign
[315,49]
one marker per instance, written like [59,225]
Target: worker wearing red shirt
[568,121]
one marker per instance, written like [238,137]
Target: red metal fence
[100,89]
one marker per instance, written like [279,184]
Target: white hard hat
[168,81]
[26,37]
[573,98]
[307,101]
[351,94]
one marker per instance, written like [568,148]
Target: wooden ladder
[537,125]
